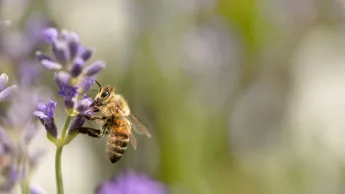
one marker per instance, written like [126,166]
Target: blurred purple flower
[7,165]
[132,183]
[45,113]
[9,172]
[6,93]
[19,45]
[35,189]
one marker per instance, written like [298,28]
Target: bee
[117,122]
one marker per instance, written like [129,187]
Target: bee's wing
[138,126]
[132,139]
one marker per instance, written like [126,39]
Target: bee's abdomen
[116,145]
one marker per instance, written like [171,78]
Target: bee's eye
[105,94]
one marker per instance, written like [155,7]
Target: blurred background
[242,97]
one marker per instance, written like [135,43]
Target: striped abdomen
[117,142]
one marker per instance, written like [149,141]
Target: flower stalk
[59,148]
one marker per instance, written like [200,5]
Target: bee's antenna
[98,85]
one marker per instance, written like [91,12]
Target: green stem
[25,186]
[58,172]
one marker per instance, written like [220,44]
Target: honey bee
[117,122]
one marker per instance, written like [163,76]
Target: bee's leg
[92,118]
[91,132]
[105,129]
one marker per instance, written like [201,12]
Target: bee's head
[104,96]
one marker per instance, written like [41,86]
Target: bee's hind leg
[91,131]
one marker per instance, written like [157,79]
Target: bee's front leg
[91,132]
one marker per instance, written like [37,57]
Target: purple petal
[40,114]
[61,52]
[62,79]
[84,105]
[94,68]
[87,54]
[50,65]
[28,71]
[4,140]
[49,35]
[41,56]
[41,106]
[73,44]
[35,189]
[69,102]
[64,34]
[8,93]
[3,81]
[68,91]
[13,175]
[132,183]
[50,126]
[86,84]
[51,108]
[77,67]
[77,122]
[34,25]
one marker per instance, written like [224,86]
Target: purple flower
[77,67]
[45,113]
[6,94]
[132,183]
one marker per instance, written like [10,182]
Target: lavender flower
[132,183]
[45,113]
[6,93]
[73,80]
